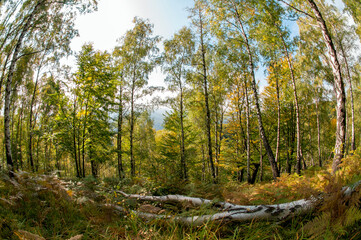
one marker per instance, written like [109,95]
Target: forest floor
[35,206]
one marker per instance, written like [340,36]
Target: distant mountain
[158,116]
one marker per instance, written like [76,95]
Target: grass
[41,206]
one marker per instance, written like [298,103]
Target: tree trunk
[93,163]
[248,133]
[18,154]
[204,164]
[119,137]
[295,95]
[268,148]
[220,139]
[278,123]
[31,128]
[254,174]
[57,159]
[74,141]
[349,79]
[20,141]
[205,87]
[85,126]
[216,141]
[239,107]
[183,160]
[132,160]
[339,89]
[260,161]
[318,132]
[7,134]
[79,147]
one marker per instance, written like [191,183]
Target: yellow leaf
[70,193]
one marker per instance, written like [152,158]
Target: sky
[114,18]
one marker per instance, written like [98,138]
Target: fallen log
[233,212]
[181,199]
[276,212]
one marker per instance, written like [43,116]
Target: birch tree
[139,49]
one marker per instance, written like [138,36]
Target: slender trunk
[254,174]
[30,153]
[119,137]
[183,160]
[204,164]
[292,135]
[206,99]
[239,107]
[45,159]
[50,168]
[57,159]
[36,161]
[310,141]
[278,123]
[339,89]
[287,140]
[216,140]
[268,148]
[85,126]
[79,146]
[74,141]
[349,79]
[13,137]
[132,160]
[260,161]
[93,163]
[220,137]
[79,155]
[37,154]
[20,140]
[248,133]
[318,133]
[295,95]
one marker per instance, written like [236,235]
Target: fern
[318,226]
[353,215]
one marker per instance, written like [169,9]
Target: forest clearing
[259,140]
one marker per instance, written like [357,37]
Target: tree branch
[297,10]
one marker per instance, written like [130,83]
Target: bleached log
[233,212]
[276,212]
[349,190]
[184,199]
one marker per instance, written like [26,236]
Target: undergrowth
[45,206]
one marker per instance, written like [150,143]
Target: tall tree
[346,42]
[198,14]
[30,23]
[119,75]
[238,16]
[338,86]
[178,53]
[95,89]
[139,48]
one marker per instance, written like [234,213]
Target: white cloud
[114,18]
